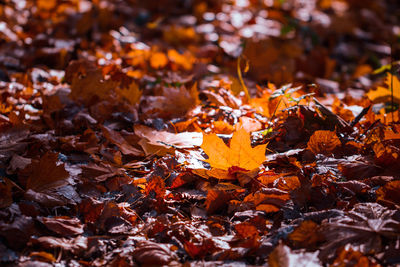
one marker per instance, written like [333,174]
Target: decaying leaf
[162,142]
[151,253]
[87,81]
[283,256]
[45,173]
[389,194]
[305,235]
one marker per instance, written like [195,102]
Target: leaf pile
[199,133]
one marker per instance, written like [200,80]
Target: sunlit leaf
[239,154]
[323,142]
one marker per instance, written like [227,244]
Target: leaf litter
[191,133]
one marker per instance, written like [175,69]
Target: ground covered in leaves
[199,133]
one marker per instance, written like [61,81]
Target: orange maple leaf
[323,142]
[382,94]
[239,154]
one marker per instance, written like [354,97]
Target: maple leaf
[382,94]
[305,234]
[87,81]
[240,153]
[46,174]
[132,93]
[173,102]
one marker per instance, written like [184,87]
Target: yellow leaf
[158,60]
[239,154]
[382,94]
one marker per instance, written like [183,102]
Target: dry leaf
[240,153]
[305,235]
[46,174]
[162,142]
[382,94]
[87,81]
[132,93]
[389,194]
[323,142]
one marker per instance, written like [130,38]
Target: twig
[359,116]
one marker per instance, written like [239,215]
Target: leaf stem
[239,72]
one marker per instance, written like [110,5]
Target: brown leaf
[156,185]
[151,253]
[350,257]
[62,225]
[268,200]
[305,235]
[5,193]
[161,142]
[364,227]
[87,81]
[389,194]
[132,94]
[216,200]
[246,230]
[282,256]
[43,256]
[323,142]
[45,174]
[117,139]
[73,245]
[18,231]
[174,102]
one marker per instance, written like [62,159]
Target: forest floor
[199,133]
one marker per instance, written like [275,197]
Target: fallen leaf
[132,93]
[45,173]
[158,60]
[63,226]
[246,230]
[305,235]
[240,153]
[43,256]
[389,194]
[87,81]
[162,142]
[216,200]
[282,256]
[157,185]
[73,245]
[347,256]
[323,142]
[117,139]
[382,94]
[151,253]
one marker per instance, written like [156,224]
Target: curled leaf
[323,142]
